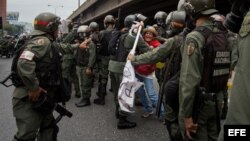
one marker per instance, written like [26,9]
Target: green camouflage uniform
[238,112]
[190,77]
[69,65]
[103,63]
[88,61]
[28,120]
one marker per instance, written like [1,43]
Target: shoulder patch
[40,42]
[27,55]
[190,48]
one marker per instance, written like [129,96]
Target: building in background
[3,5]
[12,17]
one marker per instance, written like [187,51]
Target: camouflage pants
[69,72]
[29,122]
[207,123]
[116,79]
[103,76]
[172,124]
[85,82]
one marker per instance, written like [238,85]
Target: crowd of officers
[9,44]
[195,59]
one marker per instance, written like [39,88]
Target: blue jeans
[148,94]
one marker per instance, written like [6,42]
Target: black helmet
[109,19]
[129,20]
[197,7]
[179,16]
[160,18]
[46,22]
[161,15]
[94,26]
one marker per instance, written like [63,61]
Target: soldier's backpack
[216,60]
[105,42]
[114,42]
[116,46]
[16,80]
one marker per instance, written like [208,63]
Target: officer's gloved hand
[131,57]
[85,44]
[34,94]
[88,71]
[136,26]
[190,127]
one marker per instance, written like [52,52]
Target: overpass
[96,10]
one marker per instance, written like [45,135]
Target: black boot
[224,110]
[117,111]
[123,123]
[83,102]
[99,101]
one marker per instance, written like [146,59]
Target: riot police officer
[95,36]
[238,22]
[161,28]
[69,62]
[85,60]
[202,80]
[103,58]
[39,70]
[160,18]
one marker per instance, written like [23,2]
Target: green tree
[13,29]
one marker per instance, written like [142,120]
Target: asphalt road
[93,123]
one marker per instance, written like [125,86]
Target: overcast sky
[29,9]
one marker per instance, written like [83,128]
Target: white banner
[128,87]
[129,84]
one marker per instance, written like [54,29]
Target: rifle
[200,97]
[47,105]
[161,94]
[198,102]
[62,112]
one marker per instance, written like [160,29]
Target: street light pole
[79,3]
[55,7]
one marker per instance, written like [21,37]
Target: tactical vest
[217,58]
[48,72]
[82,57]
[95,38]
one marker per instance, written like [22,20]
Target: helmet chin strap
[51,35]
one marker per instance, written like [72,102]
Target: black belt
[209,96]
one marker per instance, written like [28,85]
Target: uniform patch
[40,41]
[190,48]
[27,55]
